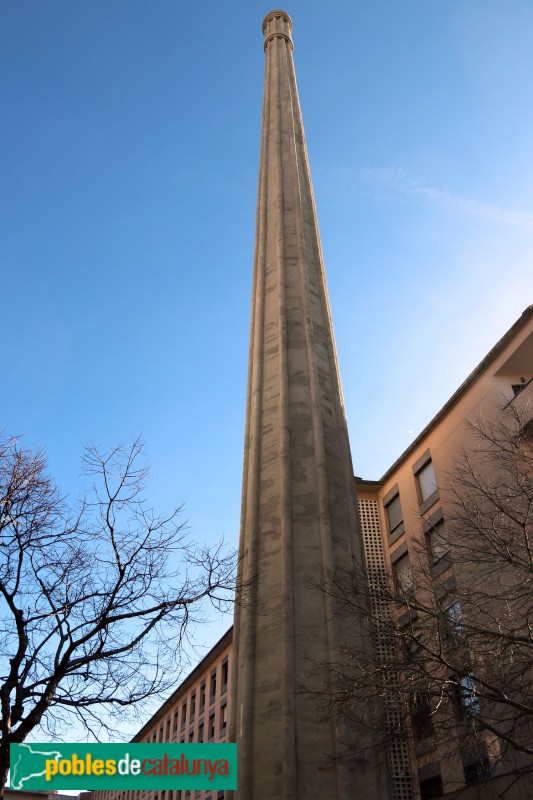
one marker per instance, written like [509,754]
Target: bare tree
[95,600]
[452,664]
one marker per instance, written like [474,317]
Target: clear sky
[130,145]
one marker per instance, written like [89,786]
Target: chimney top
[277,24]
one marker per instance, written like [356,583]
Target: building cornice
[184,687]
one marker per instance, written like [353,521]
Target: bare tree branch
[97,600]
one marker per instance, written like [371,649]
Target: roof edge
[191,678]
[481,367]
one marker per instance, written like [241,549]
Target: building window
[452,623]
[431,787]
[211,726]
[421,718]
[478,771]
[477,766]
[193,707]
[202,696]
[183,714]
[426,484]
[201,732]
[518,387]
[436,540]
[394,514]
[224,675]
[176,715]
[426,481]
[468,695]
[403,580]
[413,646]
[223,718]
[213,687]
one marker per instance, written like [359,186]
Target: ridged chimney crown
[277,24]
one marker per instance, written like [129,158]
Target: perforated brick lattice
[402,780]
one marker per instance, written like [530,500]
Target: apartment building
[401,517]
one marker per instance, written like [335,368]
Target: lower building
[23,794]
[196,712]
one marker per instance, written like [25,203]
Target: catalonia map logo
[123,766]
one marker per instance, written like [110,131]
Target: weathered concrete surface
[298,502]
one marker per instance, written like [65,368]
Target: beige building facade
[198,711]
[400,518]
[24,794]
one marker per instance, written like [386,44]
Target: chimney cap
[277,13]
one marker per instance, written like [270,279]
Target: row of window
[466,702]
[477,767]
[223,723]
[451,628]
[190,712]
[437,547]
[165,794]
[192,706]
[427,491]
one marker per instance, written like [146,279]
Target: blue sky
[130,144]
